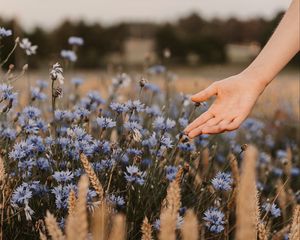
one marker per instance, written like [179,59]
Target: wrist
[257,77]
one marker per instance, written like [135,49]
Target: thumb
[205,94]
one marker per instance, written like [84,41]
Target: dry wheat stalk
[71,203]
[118,231]
[100,222]
[189,227]
[77,223]
[179,175]
[295,228]
[247,209]
[146,230]
[53,228]
[92,176]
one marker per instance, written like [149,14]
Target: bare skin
[237,95]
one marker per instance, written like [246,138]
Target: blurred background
[208,40]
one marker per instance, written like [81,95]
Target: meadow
[102,155]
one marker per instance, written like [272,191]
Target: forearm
[279,50]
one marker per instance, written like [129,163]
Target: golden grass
[247,209]
[189,229]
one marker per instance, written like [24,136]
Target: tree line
[192,34]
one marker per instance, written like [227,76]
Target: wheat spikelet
[247,198]
[42,236]
[100,222]
[146,230]
[92,176]
[72,201]
[179,175]
[77,223]
[234,168]
[167,225]
[173,196]
[53,228]
[168,215]
[262,232]
[189,227]
[118,228]
[2,171]
[295,228]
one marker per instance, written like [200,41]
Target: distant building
[239,53]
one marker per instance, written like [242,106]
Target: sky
[48,13]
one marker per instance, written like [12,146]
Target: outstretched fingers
[199,121]
[205,94]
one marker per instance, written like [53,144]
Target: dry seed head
[262,232]
[189,227]
[100,222]
[295,228]
[146,230]
[247,209]
[72,201]
[53,228]
[118,231]
[92,176]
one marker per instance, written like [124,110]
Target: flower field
[83,166]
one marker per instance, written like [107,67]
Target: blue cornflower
[188,147]
[63,176]
[21,151]
[31,112]
[21,194]
[37,94]
[152,87]
[8,133]
[163,124]
[42,84]
[183,122]
[95,97]
[295,172]
[121,80]
[277,172]
[134,151]
[62,195]
[157,69]
[134,175]
[222,181]
[118,107]
[81,113]
[5,32]
[37,142]
[132,125]
[281,154]
[7,92]
[153,110]
[77,81]
[214,220]
[171,172]
[166,142]
[43,163]
[76,41]
[135,105]
[273,209]
[151,141]
[28,47]
[116,200]
[179,222]
[69,55]
[105,122]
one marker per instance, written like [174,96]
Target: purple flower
[214,220]
[134,175]
[222,181]
[105,122]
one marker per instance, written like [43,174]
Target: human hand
[235,98]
